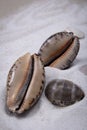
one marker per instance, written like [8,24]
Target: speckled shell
[25,83]
[59,50]
[63,92]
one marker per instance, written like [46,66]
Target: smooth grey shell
[25,83]
[59,50]
[63,92]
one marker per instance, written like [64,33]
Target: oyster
[25,83]
[63,92]
[59,50]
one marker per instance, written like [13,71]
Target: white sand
[24,27]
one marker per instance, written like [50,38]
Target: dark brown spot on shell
[41,88]
[63,92]
[43,74]
[42,81]
[32,101]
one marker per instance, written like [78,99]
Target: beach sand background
[24,26]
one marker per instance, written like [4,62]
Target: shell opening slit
[61,53]
[27,83]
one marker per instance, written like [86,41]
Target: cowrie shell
[63,92]
[25,83]
[59,50]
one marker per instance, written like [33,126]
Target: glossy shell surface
[59,50]
[63,92]
[25,83]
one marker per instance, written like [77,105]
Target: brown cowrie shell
[62,46]
[25,83]
[63,92]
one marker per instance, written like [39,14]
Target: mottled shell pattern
[25,83]
[63,92]
[59,50]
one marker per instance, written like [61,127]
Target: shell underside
[59,50]
[25,83]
